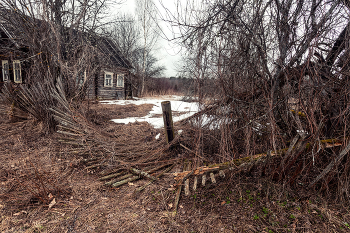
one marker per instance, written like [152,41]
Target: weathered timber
[204,179]
[116,180]
[69,134]
[330,166]
[294,141]
[212,178]
[187,181]
[142,173]
[168,121]
[195,181]
[222,174]
[158,176]
[93,166]
[178,191]
[111,176]
[133,178]
[129,176]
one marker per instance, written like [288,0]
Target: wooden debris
[162,173]
[129,177]
[116,180]
[187,187]
[331,165]
[142,173]
[133,178]
[93,166]
[187,181]
[222,174]
[252,160]
[212,177]
[107,172]
[204,178]
[178,192]
[195,183]
[111,176]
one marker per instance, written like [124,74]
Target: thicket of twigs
[280,71]
[271,77]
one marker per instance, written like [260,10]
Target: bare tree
[130,37]
[280,70]
[146,15]
[56,42]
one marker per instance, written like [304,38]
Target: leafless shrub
[279,69]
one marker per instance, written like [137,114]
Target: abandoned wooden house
[108,80]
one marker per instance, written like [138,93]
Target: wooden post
[168,121]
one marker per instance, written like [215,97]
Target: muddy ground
[78,202]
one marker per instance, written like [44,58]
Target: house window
[5,70]
[81,78]
[17,75]
[120,80]
[108,79]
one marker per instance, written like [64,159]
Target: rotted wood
[178,191]
[195,181]
[212,178]
[187,181]
[168,121]
[248,161]
[158,176]
[68,133]
[204,179]
[120,183]
[127,176]
[331,165]
[142,173]
[131,177]
[111,176]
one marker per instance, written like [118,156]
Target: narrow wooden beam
[168,121]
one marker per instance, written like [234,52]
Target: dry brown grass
[84,205]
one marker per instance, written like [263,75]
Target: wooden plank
[212,178]
[195,181]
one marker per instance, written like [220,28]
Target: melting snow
[180,109]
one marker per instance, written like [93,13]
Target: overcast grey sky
[167,53]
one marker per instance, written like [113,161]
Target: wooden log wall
[113,92]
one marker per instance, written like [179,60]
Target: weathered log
[330,166]
[117,184]
[168,121]
[195,181]
[111,176]
[212,177]
[158,176]
[127,177]
[68,133]
[142,173]
[178,192]
[204,179]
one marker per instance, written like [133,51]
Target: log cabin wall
[112,92]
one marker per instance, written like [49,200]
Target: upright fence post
[168,121]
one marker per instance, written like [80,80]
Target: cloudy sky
[168,53]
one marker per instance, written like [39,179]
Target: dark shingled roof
[106,45]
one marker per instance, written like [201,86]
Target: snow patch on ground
[180,109]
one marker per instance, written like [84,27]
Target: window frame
[15,79]
[3,62]
[105,78]
[120,75]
